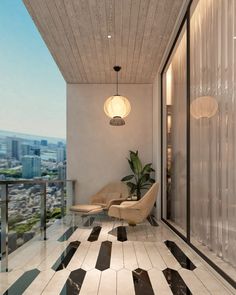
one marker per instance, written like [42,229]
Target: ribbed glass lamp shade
[204,107]
[117,106]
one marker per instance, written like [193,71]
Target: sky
[32,89]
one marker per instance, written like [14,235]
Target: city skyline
[32,89]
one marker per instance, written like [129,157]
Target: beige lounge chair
[112,193]
[135,212]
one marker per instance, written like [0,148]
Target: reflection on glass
[213,137]
[174,86]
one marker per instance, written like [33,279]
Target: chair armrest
[115,202]
[128,203]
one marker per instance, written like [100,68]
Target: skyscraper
[61,154]
[31,166]
[62,171]
[13,148]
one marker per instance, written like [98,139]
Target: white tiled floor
[144,249]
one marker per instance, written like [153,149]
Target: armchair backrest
[116,186]
[146,203]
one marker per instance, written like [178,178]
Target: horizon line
[38,135]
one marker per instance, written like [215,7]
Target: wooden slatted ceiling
[76,31]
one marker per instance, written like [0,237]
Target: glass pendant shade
[204,107]
[117,106]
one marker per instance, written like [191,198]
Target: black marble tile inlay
[121,234]
[67,234]
[89,221]
[152,220]
[94,234]
[22,283]
[176,283]
[179,255]
[104,256]
[142,283]
[66,256]
[74,282]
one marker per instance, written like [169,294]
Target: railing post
[4,228]
[62,200]
[43,212]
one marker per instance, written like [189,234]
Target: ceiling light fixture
[117,107]
[109,36]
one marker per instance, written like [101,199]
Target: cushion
[85,208]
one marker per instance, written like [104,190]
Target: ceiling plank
[76,33]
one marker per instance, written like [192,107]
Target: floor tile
[155,256]
[107,283]
[57,282]
[142,256]
[74,282]
[159,282]
[193,283]
[67,234]
[125,285]
[117,256]
[176,283]
[91,282]
[142,283]
[38,285]
[22,283]
[66,256]
[79,256]
[91,256]
[130,260]
[179,255]
[104,256]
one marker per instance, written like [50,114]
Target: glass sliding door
[213,130]
[174,140]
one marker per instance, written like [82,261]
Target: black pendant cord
[117,69]
[117,83]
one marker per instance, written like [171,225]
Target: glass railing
[28,208]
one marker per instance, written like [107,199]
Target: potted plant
[141,177]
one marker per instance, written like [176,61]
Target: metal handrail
[34,181]
[4,211]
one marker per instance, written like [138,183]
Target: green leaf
[132,187]
[144,178]
[151,180]
[147,168]
[131,165]
[128,177]
[136,162]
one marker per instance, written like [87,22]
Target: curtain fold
[213,140]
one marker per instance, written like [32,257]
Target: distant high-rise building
[36,151]
[44,142]
[13,148]
[28,150]
[62,171]
[60,144]
[61,154]
[36,143]
[31,166]
[25,149]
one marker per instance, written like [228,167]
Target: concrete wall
[97,151]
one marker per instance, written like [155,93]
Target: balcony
[157,77]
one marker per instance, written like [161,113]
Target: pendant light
[204,107]
[117,107]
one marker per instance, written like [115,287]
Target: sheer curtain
[213,139]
